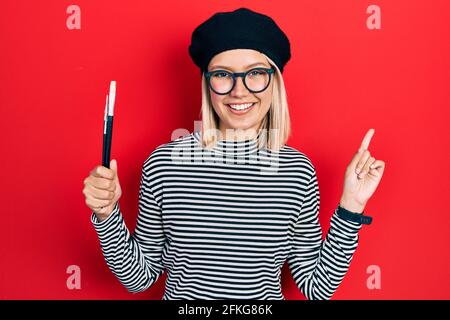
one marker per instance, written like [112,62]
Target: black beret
[239,29]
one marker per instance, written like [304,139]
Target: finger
[99,193]
[362,161]
[102,183]
[366,167]
[354,161]
[379,166]
[366,141]
[374,172]
[102,172]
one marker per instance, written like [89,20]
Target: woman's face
[240,60]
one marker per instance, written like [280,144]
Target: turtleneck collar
[239,148]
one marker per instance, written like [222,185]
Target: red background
[342,80]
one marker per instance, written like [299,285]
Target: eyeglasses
[255,80]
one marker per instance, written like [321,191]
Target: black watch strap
[353,216]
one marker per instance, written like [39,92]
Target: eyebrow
[249,66]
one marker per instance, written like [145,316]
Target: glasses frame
[234,75]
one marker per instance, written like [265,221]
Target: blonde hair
[275,127]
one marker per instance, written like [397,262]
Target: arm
[134,259]
[318,266]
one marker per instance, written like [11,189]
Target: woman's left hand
[362,177]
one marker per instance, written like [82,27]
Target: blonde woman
[223,208]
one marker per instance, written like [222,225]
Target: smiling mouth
[240,107]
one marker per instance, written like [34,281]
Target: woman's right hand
[102,190]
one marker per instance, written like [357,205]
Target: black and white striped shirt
[222,223]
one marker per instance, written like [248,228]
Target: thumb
[113,166]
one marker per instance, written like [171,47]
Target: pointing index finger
[366,141]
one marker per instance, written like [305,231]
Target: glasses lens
[257,79]
[221,81]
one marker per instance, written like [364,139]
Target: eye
[257,72]
[221,74]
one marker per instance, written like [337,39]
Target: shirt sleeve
[136,260]
[318,266]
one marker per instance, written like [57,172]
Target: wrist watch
[353,216]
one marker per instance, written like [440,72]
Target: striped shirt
[222,223]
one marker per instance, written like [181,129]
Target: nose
[239,89]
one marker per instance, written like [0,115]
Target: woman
[222,209]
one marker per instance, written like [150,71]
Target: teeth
[240,106]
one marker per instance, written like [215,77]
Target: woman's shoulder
[166,150]
[297,159]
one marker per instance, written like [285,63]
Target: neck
[238,134]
